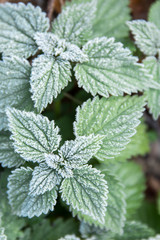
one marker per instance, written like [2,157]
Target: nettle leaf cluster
[39,60]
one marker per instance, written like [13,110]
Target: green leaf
[24,204]
[86,192]
[48,77]
[2,235]
[157,237]
[18,24]
[111,17]
[74,24]
[79,151]
[117,120]
[153,66]
[14,80]
[139,144]
[147,36]
[50,44]
[33,135]
[111,69]
[158,203]
[154,15]
[43,179]
[131,176]
[116,209]
[8,158]
[69,237]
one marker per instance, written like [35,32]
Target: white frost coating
[86,192]
[33,135]
[153,66]
[48,77]
[154,15]
[14,81]
[69,237]
[147,36]
[74,24]
[157,237]
[43,179]
[22,203]
[115,118]
[111,69]
[8,158]
[2,235]
[18,24]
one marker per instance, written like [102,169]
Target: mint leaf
[14,80]
[118,118]
[48,77]
[33,135]
[24,204]
[8,158]
[111,69]
[153,66]
[18,24]
[147,36]
[154,13]
[86,192]
[43,179]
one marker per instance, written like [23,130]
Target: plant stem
[72,98]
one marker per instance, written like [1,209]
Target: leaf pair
[32,192]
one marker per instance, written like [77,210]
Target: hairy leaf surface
[33,135]
[48,77]
[153,66]
[75,22]
[14,80]
[23,203]
[86,192]
[147,36]
[111,69]
[18,24]
[8,158]
[115,118]
[154,15]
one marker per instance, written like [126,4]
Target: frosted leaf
[111,16]
[52,160]
[18,24]
[115,118]
[8,158]
[69,237]
[48,77]
[147,36]
[24,204]
[43,179]
[116,209]
[111,69]
[86,192]
[33,135]
[2,235]
[50,44]
[153,66]
[79,151]
[14,80]
[154,15]
[157,237]
[74,24]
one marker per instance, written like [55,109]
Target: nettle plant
[38,62]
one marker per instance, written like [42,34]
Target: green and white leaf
[24,204]
[2,235]
[111,17]
[43,179]
[139,144]
[50,44]
[111,69]
[157,237]
[116,209]
[79,151]
[147,36]
[8,158]
[86,192]
[154,15]
[132,177]
[18,24]
[153,66]
[48,77]
[115,118]
[74,24]
[33,135]
[69,237]
[14,80]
